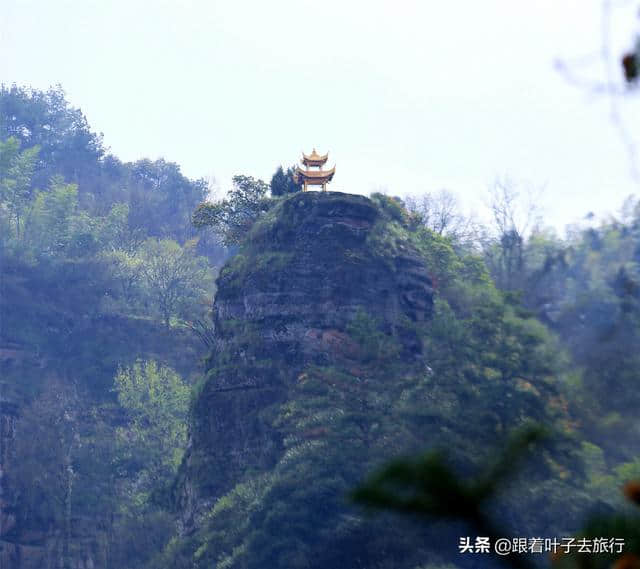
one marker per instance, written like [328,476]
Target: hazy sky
[408,96]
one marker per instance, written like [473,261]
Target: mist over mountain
[195,384]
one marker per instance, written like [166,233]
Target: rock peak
[320,277]
[311,265]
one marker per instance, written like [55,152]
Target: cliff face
[321,284]
[310,268]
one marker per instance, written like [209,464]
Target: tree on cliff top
[232,217]
[283,183]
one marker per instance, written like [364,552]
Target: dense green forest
[144,426]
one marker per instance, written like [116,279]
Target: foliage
[441,213]
[149,446]
[587,290]
[56,140]
[152,443]
[49,427]
[154,277]
[99,259]
[374,343]
[392,207]
[233,217]
[484,365]
[428,487]
[46,120]
[92,251]
[162,199]
[16,171]
[61,474]
[175,279]
[283,183]
[55,222]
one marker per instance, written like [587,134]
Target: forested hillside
[105,292]
[143,425]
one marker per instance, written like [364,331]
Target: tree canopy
[283,183]
[233,216]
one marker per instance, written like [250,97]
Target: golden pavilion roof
[314,159]
[315,175]
[310,176]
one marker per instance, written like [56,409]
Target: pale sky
[407,96]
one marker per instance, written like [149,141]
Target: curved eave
[316,175]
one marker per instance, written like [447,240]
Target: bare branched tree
[442,213]
[516,214]
[514,209]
